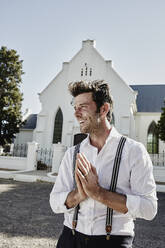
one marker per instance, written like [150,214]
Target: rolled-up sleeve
[63,185]
[142,201]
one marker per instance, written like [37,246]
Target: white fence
[58,150]
[158,159]
[20,163]
[159,174]
[52,158]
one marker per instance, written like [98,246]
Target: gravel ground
[26,219]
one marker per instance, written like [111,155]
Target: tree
[161,124]
[10,94]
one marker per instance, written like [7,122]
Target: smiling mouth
[81,122]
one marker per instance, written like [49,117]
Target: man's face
[85,113]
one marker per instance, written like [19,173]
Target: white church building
[137,108]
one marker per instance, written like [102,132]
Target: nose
[77,112]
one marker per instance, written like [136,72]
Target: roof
[30,122]
[150,98]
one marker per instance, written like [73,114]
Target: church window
[86,71]
[57,135]
[152,139]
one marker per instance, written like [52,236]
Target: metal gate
[44,159]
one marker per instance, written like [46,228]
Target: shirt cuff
[62,200]
[133,205]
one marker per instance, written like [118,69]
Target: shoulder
[137,153]
[133,145]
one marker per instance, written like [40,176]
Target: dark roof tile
[30,122]
[150,97]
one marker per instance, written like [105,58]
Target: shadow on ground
[25,210]
[26,219]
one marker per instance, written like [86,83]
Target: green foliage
[161,124]
[10,94]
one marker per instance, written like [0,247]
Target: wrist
[78,197]
[96,195]
[72,199]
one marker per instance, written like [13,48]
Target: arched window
[152,139]
[57,135]
[113,120]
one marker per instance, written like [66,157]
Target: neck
[98,138]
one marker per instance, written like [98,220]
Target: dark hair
[100,93]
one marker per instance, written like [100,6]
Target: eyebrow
[81,104]
[84,103]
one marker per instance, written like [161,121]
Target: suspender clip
[73,232]
[74,224]
[108,236]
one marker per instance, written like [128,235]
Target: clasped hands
[86,178]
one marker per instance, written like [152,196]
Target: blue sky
[46,33]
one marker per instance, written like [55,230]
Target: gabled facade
[56,122]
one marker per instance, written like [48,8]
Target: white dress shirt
[135,180]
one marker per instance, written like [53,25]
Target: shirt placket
[92,207]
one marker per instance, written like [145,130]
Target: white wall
[56,95]
[13,163]
[24,136]
[143,121]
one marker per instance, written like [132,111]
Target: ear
[105,109]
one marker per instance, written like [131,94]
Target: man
[135,195]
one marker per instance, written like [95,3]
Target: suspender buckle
[108,231]
[108,228]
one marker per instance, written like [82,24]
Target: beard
[91,124]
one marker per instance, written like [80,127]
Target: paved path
[26,219]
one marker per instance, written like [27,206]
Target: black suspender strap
[75,215]
[112,186]
[114,183]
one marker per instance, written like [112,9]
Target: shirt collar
[113,134]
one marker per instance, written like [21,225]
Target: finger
[78,181]
[80,174]
[82,167]
[85,161]
[76,165]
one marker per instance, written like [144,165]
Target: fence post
[1,150]
[58,153]
[32,156]
[11,148]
